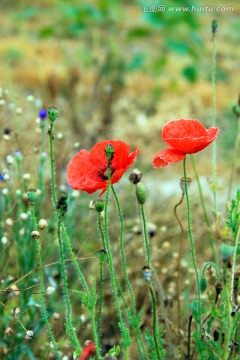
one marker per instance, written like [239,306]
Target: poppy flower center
[104,173]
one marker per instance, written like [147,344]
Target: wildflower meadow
[119,181]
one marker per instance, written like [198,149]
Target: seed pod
[52,113]
[147,273]
[42,224]
[35,234]
[109,151]
[102,255]
[183,185]
[141,193]
[99,205]
[32,195]
[135,176]
[29,335]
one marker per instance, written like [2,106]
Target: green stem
[101,230]
[236,241]
[145,235]
[52,165]
[72,336]
[155,326]
[100,300]
[124,265]
[214,122]
[202,201]
[235,159]
[192,246]
[42,290]
[210,263]
[110,265]
[229,322]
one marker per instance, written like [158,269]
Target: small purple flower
[1,177]
[42,114]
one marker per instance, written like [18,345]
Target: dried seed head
[50,290]
[135,176]
[42,224]
[182,184]
[141,193]
[147,273]
[35,234]
[15,311]
[56,316]
[8,332]
[29,335]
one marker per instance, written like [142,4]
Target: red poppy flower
[184,137]
[87,171]
[88,350]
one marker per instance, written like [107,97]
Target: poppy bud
[99,205]
[52,113]
[182,184]
[214,26]
[109,151]
[147,273]
[102,255]
[227,252]
[32,195]
[141,193]
[203,284]
[135,176]
[18,156]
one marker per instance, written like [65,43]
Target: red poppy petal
[167,157]
[188,136]
[83,175]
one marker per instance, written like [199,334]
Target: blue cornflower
[42,114]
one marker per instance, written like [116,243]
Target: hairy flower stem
[124,265]
[227,291]
[235,159]
[214,121]
[210,263]
[72,335]
[199,320]
[69,327]
[155,325]
[42,290]
[145,235]
[124,331]
[99,317]
[179,261]
[101,230]
[236,241]
[202,201]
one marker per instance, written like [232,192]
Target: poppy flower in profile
[88,171]
[184,137]
[88,350]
